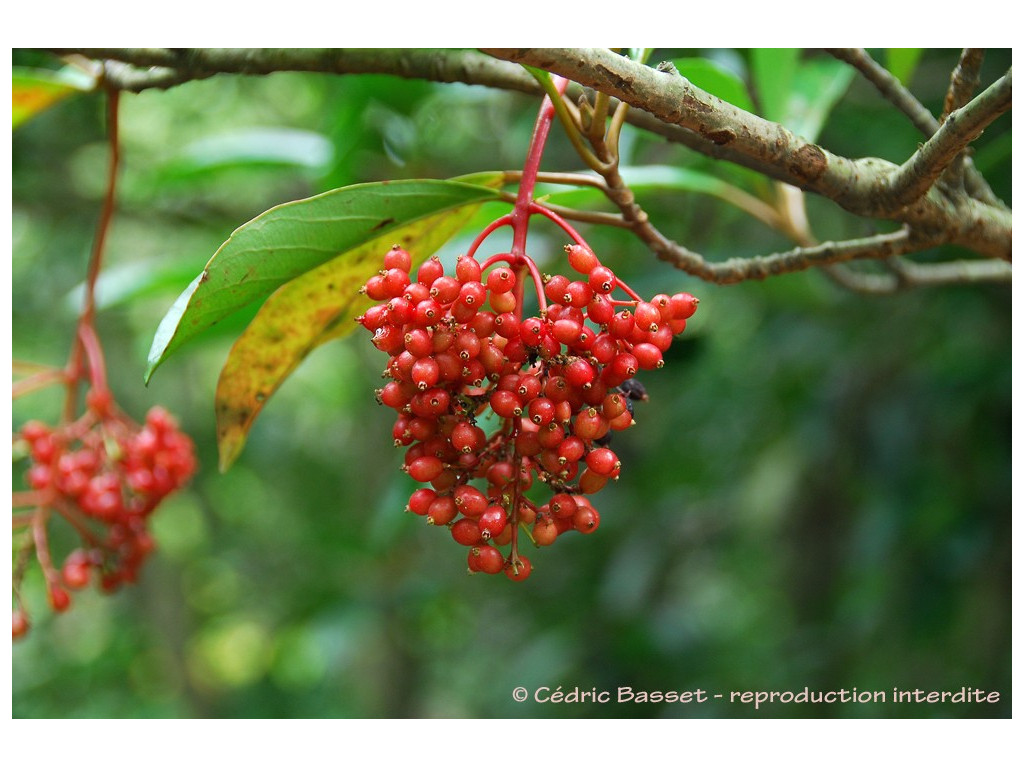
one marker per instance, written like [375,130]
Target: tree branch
[168,68]
[889,86]
[671,107]
[893,90]
[961,126]
[859,186]
[965,79]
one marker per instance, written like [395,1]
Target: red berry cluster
[559,382]
[104,474]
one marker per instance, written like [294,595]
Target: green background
[817,493]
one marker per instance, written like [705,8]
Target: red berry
[470,501]
[493,521]
[442,511]
[467,269]
[60,600]
[647,316]
[501,280]
[466,532]
[19,624]
[77,570]
[603,461]
[490,559]
[519,570]
[506,404]
[420,500]
[425,469]
[581,258]
[544,531]
[579,373]
[601,279]
[429,271]
[683,306]
[398,258]
[586,519]
[648,356]
[562,505]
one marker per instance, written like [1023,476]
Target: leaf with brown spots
[303,314]
[291,239]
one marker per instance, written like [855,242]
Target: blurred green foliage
[817,493]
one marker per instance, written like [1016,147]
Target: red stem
[496,258]
[566,226]
[497,223]
[521,213]
[94,354]
[43,547]
[538,283]
[85,320]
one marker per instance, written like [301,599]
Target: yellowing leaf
[33,90]
[291,239]
[303,314]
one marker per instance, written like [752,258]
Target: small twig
[569,124]
[37,381]
[889,86]
[861,282]
[965,80]
[962,84]
[905,274]
[615,127]
[915,177]
[589,217]
[893,90]
[600,115]
[569,179]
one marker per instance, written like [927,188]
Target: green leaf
[712,77]
[293,238]
[902,62]
[33,90]
[817,87]
[303,314]
[773,71]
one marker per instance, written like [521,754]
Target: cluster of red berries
[559,383]
[105,475]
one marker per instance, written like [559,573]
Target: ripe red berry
[467,269]
[19,624]
[466,532]
[486,559]
[683,306]
[581,258]
[429,271]
[557,383]
[60,600]
[398,258]
[493,521]
[519,570]
[586,519]
[544,531]
[420,500]
[603,461]
[77,570]
[501,280]
[425,469]
[442,510]
[648,356]
[601,279]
